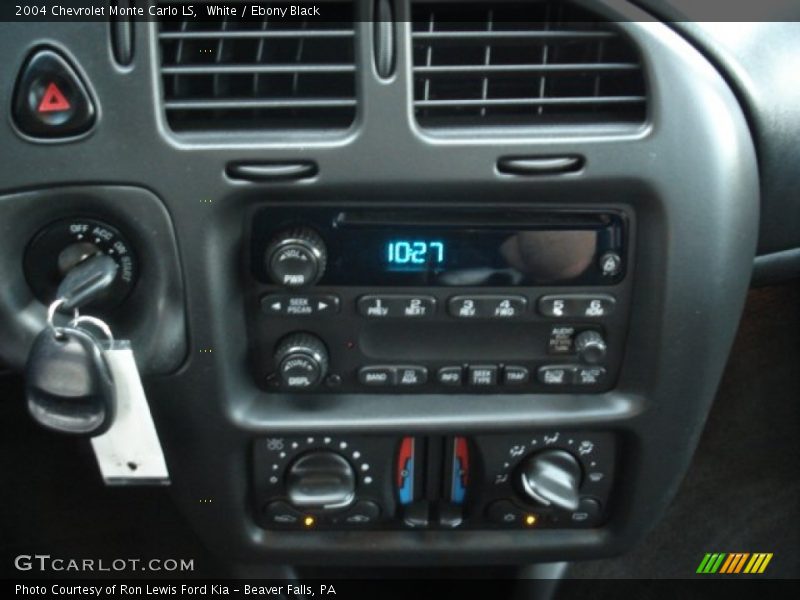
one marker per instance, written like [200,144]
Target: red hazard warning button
[50,100]
[53,100]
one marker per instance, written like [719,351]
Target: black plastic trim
[776,267]
[539,165]
[266,172]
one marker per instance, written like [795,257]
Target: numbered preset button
[593,306]
[486,307]
[404,306]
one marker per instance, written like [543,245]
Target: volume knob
[302,360]
[296,258]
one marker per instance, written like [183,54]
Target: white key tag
[129,453]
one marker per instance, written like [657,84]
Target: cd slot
[478,218]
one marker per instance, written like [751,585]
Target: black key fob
[68,384]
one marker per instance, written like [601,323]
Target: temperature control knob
[590,346]
[296,258]
[302,360]
[551,478]
[321,480]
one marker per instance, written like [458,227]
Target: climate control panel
[553,479]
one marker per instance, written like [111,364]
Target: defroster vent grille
[264,74]
[522,64]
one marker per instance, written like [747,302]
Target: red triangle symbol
[53,100]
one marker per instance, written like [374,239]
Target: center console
[419,298]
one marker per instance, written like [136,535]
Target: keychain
[79,380]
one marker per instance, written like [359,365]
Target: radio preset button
[515,375]
[557,375]
[482,375]
[396,306]
[299,305]
[411,375]
[486,307]
[377,376]
[450,375]
[577,305]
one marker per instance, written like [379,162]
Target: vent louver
[522,64]
[235,74]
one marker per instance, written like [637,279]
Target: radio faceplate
[373,336]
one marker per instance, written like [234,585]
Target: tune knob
[296,258]
[321,479]
[302,360]
[551,477]
[590,346]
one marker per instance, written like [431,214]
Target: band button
[377,376]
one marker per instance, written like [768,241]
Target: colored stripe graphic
[703,563]
[711,563]
[758,563]
[734,563]
[728,562]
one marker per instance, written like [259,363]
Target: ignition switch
[61,245]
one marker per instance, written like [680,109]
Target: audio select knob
[551,478]
[321,480]
[302,360]
[296,258]
[591,347]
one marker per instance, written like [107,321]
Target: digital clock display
[414,254]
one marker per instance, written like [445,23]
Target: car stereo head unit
[426,299]
[413,247]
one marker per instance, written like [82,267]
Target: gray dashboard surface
[689,176]
[756,47]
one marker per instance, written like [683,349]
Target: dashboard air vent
[270,73]
[522,64]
